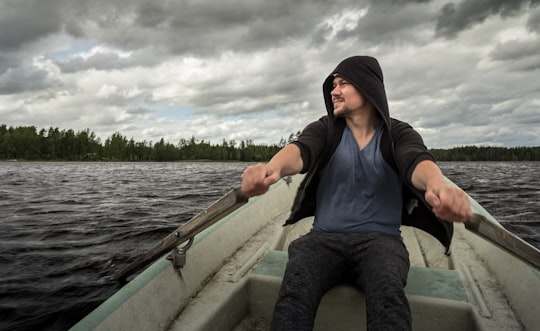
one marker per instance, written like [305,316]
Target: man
[363,170]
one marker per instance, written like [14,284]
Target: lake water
[66,228]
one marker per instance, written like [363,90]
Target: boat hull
[234,270]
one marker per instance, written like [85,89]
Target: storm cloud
[458,16]
[461,72]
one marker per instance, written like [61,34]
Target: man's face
[345,97]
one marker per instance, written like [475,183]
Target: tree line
[27,143]
[487,153]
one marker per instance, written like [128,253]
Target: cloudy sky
[461,72]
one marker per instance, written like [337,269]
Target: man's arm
[448,202]
[257,179]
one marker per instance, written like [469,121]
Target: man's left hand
[449,203]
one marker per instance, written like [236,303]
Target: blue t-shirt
[358,191]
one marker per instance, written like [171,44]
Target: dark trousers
[377,264]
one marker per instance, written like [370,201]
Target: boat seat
[436,296]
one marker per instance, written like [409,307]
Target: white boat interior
[234,268]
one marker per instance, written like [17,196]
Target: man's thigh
[318,258]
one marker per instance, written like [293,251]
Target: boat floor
[238,299]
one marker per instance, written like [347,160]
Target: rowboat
[228,276]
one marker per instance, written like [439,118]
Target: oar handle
[504,239]
[231,201]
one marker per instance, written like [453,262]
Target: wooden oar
[504,239]
[221,208]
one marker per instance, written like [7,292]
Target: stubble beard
[341,111]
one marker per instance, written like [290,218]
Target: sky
[460,72]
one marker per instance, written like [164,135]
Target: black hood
[365,74]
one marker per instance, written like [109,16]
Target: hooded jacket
[401,147]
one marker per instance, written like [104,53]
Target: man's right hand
[257,179]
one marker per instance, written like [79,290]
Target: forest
[26,143]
